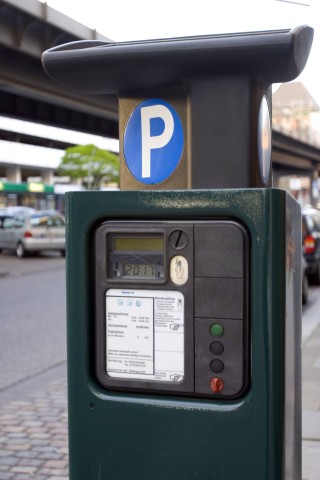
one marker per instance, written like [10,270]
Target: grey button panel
[219,250]
[219,297]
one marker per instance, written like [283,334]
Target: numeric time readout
[139,270]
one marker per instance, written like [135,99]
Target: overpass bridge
[29,27]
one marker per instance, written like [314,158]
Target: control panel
[172,307]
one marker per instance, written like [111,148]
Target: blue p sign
[153,141]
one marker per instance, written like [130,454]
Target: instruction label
[145,335]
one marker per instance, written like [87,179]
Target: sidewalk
[33,432]
[33,436]
[311,407]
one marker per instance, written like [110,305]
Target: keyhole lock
[178,239]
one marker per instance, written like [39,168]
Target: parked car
[304,280]
[311,242]
[16,210]
[32,232]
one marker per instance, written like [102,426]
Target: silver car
[32,232]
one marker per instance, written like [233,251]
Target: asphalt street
[33,317]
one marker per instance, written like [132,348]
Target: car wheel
[315,278]
[20,250]
[305,289]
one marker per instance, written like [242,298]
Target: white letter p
[157,141]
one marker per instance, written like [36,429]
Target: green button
[216,330]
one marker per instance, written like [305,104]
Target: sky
[141,19]
[42,156]
[123,20]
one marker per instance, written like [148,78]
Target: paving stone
[19,403]
[26,454]
[23,469]
[8,416]
[41,436]
[45,449]
[54,472]
[58,478]
[8,460]
[35,442]
[31,462]
[4,453]
[6,476]
[28,431]
[17,435]
[17,441]
[50,456]
[12,429]
[17,448]
[22,476]
[62,464]
[33,423]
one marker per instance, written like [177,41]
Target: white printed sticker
[145,335]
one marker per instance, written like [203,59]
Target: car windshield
[46,221]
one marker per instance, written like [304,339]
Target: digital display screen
[138,244]
[139,270]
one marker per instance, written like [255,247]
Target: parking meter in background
[184,289]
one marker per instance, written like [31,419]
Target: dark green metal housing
[121,436]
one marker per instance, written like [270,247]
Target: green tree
[90,164]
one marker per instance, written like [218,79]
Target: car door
[2,232]
[17,230]
[6,231]
[56,231]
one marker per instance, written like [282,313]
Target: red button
[216,384]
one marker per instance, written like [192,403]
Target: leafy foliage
[90,164]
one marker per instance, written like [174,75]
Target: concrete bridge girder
[27,29]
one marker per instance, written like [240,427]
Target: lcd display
[138,244]
[139,270]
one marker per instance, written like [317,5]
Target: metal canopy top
[103,67]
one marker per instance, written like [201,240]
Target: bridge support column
[314,187]
[13,174]
[47,176]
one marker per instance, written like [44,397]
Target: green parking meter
[184,294]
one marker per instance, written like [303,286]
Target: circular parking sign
[153,141]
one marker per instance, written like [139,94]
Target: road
[33,317]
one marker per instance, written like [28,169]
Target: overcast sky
[141,19]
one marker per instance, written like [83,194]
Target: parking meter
[184,289]
[176,307]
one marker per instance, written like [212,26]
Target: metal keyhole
[178,239]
